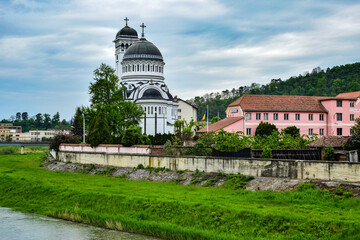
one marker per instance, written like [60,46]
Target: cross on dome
[126,20]
[142,26]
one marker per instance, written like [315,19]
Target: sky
[49,49]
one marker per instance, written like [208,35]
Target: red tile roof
[220,124]
[349,95]
[279,103]
[329,141]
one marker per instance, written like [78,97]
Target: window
[248,116]
[352,117]
[155,109]
[159,110]
[310,131]
[339,116]
[152,112]
[352,103]
[321,117]
[286,116]
[248,131]
[148,110]
[258,116]
[276,116]
[179,117]
[321,132]
[310,116]
[149,68]
[266,116]
[297,116]
[179,110]
[338,103]
[339,131]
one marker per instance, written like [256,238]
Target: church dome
[143,49]
[127,32]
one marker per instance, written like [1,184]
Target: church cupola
[123,40]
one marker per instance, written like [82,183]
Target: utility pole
[83,127]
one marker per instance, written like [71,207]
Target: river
[16,225]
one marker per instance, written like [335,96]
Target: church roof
[143,49]
[127,32]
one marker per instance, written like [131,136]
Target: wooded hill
[319,82]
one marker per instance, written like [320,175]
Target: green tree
[18,116]
[356,128]
[55,120]
[47,121]
[215,119]
[78,123]
[106,96]
[39,121]
[25,116]
[265,129]
[292,130]
[133,136]
[99,132]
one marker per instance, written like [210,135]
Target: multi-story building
[10,126]
[312,115]
[186,111]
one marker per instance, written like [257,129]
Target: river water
[16,225]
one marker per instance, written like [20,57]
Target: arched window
[122,47]
[148,110]
[138,68]
[159,110]
[155,109]
[148,67]
[133,68]
[152,112]
[143,67]
[126,46]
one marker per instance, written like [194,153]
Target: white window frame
[266,116]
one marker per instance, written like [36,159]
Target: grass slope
[175,211]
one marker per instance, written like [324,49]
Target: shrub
[133,136]
[160,139]
[62,138]
[266,153]
[329,154]
[292,130]
[265,129]
[352,143]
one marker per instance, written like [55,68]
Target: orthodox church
[140,66]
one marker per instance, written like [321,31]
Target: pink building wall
[329,124]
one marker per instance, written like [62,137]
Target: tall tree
[18,116]
[99,132]
[106,96]
[39,121]
[47,121]
[78,123]
[55,120]
[25,116]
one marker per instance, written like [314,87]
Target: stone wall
[300,169]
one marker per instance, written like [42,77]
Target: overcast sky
[49,49]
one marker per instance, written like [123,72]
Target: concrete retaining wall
[341,171]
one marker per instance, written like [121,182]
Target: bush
[133,136]
[352,143]
[161,139]
[61,138]
[265,129]
[266,153]
[292,130]
[329,154]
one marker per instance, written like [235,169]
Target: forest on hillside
[318,82]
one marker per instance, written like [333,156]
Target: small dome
[143,49]
[127,32]
[152,94]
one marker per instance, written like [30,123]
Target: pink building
[325,116]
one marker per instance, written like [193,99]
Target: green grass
[175,211]
[17,150]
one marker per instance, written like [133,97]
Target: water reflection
[16,225]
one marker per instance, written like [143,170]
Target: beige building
[186,110]
[31,136]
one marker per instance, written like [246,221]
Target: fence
[206,151]
[298,154]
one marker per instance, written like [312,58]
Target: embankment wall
[300,169]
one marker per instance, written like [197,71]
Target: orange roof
[327,141]
[349,95]
[220,124]
[279,103]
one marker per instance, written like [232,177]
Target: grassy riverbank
[17,150]
[175,211]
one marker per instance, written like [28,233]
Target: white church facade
[140,66]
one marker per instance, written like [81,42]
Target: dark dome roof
[152,94]
[143,49]
[127,32]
